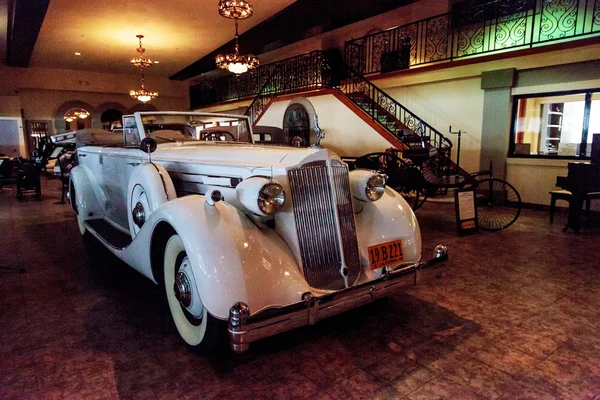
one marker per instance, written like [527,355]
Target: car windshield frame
[194,127]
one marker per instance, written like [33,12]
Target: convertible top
[98,137]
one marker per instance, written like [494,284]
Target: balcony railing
[304,72]
[493,26]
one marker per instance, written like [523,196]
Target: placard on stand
[466,212]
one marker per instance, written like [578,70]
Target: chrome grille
[346,218]
[316,221]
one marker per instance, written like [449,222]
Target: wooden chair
[566,195]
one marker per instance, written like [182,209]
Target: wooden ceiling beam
[23,27]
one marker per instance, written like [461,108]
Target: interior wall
[39,104]
[345,133]
[336,38]
[457,103]
[37,94]
[534,178]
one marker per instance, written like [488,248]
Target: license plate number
[384,254]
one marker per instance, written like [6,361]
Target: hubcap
[182,289]
[139,215]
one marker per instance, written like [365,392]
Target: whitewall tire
[195,325]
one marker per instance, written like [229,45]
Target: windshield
[164,128]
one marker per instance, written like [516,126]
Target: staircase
[426,147]
[262,100]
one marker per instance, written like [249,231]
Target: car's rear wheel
[195,325]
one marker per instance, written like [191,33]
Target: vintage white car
[246,239]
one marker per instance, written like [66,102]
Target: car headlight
[375,187]
[366,185]
[271,198]
[261,196]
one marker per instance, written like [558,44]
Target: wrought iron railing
[303,72]
[491,26]
[411,130]
[261,101]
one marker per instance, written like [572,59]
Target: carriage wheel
[498,204]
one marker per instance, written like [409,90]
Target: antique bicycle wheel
[498,204]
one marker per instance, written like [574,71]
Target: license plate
[384,254]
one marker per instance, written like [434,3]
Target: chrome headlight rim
[271,198]
[375,187]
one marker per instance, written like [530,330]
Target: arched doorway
[77,118]
[61,123]
[111,119]
[296,125]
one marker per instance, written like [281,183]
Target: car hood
[238,154]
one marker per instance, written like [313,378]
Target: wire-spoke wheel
[498,204]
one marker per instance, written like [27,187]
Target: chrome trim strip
[343,199]
[245,328]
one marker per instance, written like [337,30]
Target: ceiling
[177,33]
[183,35]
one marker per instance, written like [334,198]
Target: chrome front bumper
[245,328]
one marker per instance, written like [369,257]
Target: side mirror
[148,145]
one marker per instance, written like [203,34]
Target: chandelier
[142,62]
[236,62]
[75,113]
[142,94]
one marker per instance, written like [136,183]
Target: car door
[117,166]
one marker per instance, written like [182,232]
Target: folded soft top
[98,137]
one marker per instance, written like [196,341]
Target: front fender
[232,259]
[384,220]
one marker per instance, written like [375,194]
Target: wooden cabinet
[38,133]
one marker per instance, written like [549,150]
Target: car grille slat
[315,217]
[346,218]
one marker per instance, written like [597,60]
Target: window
[556,124]
[130,132]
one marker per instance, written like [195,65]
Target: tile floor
[516,317]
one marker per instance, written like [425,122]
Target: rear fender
[232,259]
[84,193]
[384,220]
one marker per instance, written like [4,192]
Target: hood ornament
[319,133]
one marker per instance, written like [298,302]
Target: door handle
[82,155]
[135,164]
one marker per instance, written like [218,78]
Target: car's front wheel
[195,325]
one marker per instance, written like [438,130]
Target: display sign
[466,212]
[385,254]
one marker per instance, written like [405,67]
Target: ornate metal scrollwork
[436,39]
[558,19]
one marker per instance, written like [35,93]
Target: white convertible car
[246,239]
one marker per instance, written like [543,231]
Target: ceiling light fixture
[77,53]
[142,62]
[75,113]
[236,62]
[142,94]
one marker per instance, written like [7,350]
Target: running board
[108,233]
